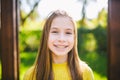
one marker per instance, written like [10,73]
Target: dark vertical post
[9,40]
[114,39]
[0,28]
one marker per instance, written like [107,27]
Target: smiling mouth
[61,46]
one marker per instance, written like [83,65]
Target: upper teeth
[61,46]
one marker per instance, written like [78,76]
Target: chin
[60,54]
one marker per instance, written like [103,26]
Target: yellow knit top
[61,72]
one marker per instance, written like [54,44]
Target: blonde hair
[43,65]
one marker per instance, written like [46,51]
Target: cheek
[51,38]
[71,41]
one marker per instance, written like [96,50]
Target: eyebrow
[57,28]
[69,29]
[53,28]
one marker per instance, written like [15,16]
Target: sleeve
[29,75]
[87,72]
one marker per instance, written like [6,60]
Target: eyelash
[69,33]
[54,32]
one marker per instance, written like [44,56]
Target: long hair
[43,65]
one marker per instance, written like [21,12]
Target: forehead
[62,22]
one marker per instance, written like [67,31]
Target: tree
[32,5]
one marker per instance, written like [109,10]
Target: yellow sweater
[61,72]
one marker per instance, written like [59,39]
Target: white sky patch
[73,7]
[94,7]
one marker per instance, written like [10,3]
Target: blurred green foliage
[92,40]
[96,61]
[27,60]
[29,40]
[92,44]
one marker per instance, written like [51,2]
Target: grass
[96,61]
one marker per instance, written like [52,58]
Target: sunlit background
[91,19]
[73,7]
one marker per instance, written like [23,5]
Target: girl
[58,56]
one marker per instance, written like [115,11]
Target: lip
[60,46]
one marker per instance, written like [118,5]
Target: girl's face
[61,36]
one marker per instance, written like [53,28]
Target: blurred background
[91,19]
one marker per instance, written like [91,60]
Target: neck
[59,59]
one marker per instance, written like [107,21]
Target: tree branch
[32,10]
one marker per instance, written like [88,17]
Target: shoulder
[87,71]
[30,74]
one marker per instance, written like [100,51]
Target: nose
[61,38]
